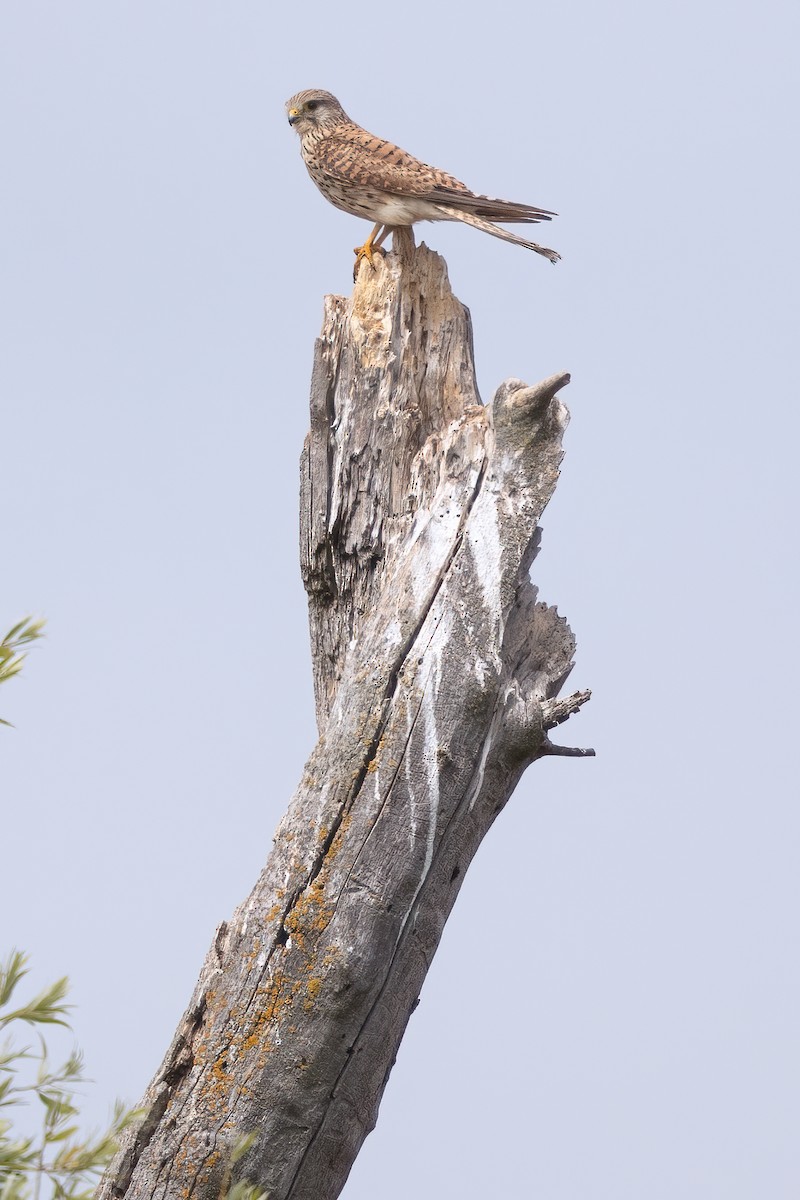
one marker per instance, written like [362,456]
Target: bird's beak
[294,113]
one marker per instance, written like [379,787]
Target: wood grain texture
[434,664]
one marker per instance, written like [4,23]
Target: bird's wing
[356,157]
[488,208]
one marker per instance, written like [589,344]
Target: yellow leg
[370,246]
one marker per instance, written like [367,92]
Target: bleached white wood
[436,671]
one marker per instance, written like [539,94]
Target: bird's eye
[312,104]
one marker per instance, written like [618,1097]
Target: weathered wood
[435,674]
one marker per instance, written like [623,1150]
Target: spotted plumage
[369,177]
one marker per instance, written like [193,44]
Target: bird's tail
[456,214]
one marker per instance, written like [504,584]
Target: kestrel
[369,177]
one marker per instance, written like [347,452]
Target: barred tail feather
[456,214]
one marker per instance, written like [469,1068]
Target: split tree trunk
[435,674]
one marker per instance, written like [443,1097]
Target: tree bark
[436,673]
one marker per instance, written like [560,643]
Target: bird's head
[314,111]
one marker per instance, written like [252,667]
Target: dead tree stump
[436,673]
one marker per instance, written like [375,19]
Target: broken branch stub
[435,676]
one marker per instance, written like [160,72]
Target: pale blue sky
[613,1011]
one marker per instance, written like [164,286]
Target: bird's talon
[365,252]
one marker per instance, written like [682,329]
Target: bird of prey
[369,177]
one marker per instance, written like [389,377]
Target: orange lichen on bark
[339,836]
[190,1151]
[312,988]
[252,954]
[270,1004]
[223,1078]
[309,917]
